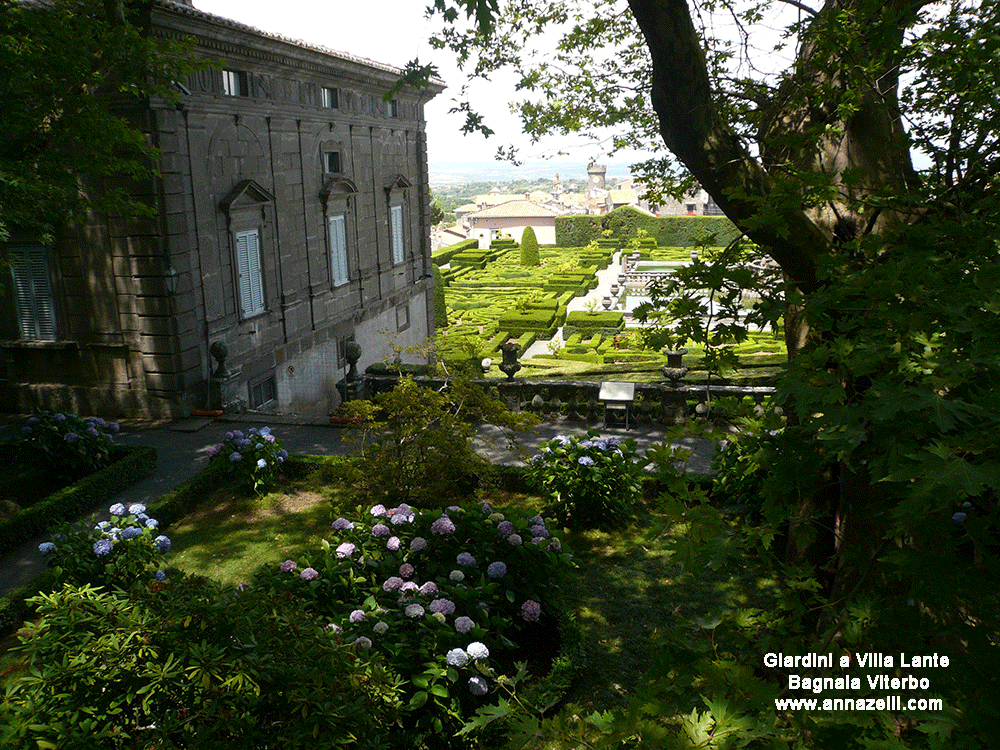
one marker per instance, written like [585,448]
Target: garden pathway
[182,449]
[605,279]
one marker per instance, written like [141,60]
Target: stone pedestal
[224,393]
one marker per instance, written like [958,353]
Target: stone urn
[606,302]
[674,370]
[509,365]
[352,353]
[614,290]
[621,278]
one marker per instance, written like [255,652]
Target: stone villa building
[292,216]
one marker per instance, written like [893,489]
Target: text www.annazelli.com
[889,703]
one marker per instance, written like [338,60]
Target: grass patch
[233,531]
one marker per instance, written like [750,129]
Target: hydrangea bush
[254,458]
[590,480]
[450,599]
[120,552]
[67,444]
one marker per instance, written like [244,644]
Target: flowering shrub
[450,605]
[67,444]
[590,480]
[126,550]
[254,458]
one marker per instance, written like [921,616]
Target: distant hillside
[445,174]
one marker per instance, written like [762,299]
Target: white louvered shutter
[396,214]
[33,293]
[248,265]
[338,249]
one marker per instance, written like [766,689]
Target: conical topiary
[529,248]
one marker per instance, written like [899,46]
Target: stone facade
[292,214]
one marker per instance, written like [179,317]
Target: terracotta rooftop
[514,209]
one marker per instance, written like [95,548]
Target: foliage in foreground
[189,665]
[449,600]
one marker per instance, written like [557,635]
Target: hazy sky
[395,32]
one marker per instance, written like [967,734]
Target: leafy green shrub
[66,444]
[536,320]
[416,442]
[623,223]
[595,322]
[443,256]
[450,599]
[254,459]
[121,552]
[529,248]
[591,481]
[190,665]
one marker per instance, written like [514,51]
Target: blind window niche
[338,249]
[396,232]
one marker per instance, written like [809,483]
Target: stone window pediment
[247,194]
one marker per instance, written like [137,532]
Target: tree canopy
[68,144]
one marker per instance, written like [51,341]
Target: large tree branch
[694,131]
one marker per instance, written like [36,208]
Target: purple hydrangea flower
[345,550]
[586,444]
[536,520]
[288,566]
[214,450]
[357,615]
[381,627]
[378,511]
[457,576]
[103,547]
[342,524]
[282,455]
[418,543]
[380,529]
[136,508]
[585,461]
[555,545]
[601,445]
[485,508]
[443,526]
[392,544]
[47,548]
[161,575]
[612,442]
[413,610]
[466,559]
[33,420]
[478,650]
[131,532]
[163,543]
[258,446]
[478,685]
[959,517]
[60,417]
[265,431]
[71,438]
[228,436]
[539,531]
[118,509]
[515,539]
[363,641]
[444,606]
[392,583]
[464,624]
[151,523]
[114,427]
[334,627]
[261,463]
[531,611]
[270,439]
[429,589]
[456,658]
[238,434]
[408,589]
[235,456]
[505,528]
[406,570]
[496,570]
[309,574]
[92,432]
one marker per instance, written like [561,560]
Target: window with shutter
[338,249]
[251,284]
[36,316]
[396,216]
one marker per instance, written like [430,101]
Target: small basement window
[263,392]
